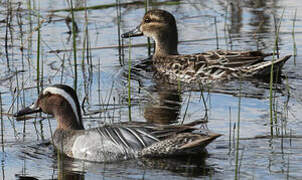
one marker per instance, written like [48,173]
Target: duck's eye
[147,20]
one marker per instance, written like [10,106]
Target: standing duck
[207,67]
[117,141]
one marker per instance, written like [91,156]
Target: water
[241,25]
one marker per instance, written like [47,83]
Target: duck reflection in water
[166,109]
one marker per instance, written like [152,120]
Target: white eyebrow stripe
[66,96]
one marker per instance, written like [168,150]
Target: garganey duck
[204,67]
[116,141]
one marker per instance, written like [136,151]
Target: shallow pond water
[264,152]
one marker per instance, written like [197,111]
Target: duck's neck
[166,44]
[67,120]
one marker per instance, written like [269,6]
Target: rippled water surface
[266,150]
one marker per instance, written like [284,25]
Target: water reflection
[235,17]
[166,109]
[192,166]
[64,172]
[22,177]
[259,15]
[70,176]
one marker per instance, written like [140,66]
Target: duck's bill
[28,110]
[133,33]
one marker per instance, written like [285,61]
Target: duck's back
[213,66]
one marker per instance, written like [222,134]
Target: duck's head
[60,101]
[159,25]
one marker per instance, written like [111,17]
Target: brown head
[160,25]
[60,101]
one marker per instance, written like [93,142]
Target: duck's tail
[181,144]
[264,68]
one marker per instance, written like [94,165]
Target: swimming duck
[204,67]
[116,141]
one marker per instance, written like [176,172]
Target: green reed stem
[272,75]
[186,110]
[216,33]
[118,15]
[230,130]
[62,69]
[204,101]
[225,29]
[129,80]
[74,45]
[85,41]
[238,134]
[294,39]
[287,170]
[7,30]
[38,54]
[2,123]
[30,26]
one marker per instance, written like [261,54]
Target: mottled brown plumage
[207,67]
